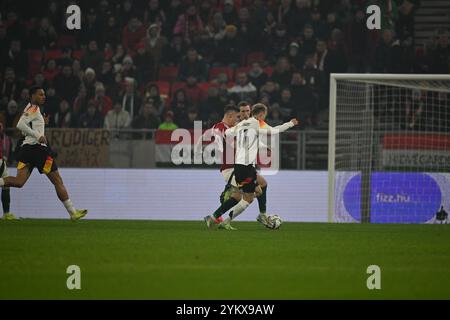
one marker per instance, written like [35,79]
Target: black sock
[226,205]
[262,199]
[6,199]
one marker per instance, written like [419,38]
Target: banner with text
[80,147]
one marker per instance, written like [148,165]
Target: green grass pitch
[183,260]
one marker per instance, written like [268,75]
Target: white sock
[2,182]
[69,206]
[239,208]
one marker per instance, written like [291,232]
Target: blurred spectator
[153,13]
[440,56]
[147,119]
[52,101]
[282,73]
[287,107]
[145,65]
[10,86]
[302,13]
[229,50]
[188,24]
[174,52]
[111,32]
[216,27]
[17,59]
[15,28]
[91,118]
[24,99]
[175,9]
[270,89]
[40,81]
[91,30]
[62,118]
[180,104]
[211,104]
[152,93]
[274,118]
[382,59]
[243,90]
[66,57]
[92,58]
[257,76]
[277,43]
[304,100]
[357,42]
[106,76]
[79,105]
[117,118]
[308,42]
[188,122]
[229,13]
[293,54]
[128,69]
[130,100]
[319,26]
[168,123]
[287,16]
[50,71]
[89,81]
[193,65]
[313,76]
[4,43]
[249,32]
[44,37]
[119,54]
[194,93]
[132,34]
[12,114]
[102,101]
[154,45]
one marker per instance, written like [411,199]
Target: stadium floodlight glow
[389,147]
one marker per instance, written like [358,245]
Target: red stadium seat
[204,86]
[268,70]
[215,71]
[176,86]
[243,69]
[34,61]
[66,41]
[53,54]
[163,86]
[77,54]
[168,74]
[255,57]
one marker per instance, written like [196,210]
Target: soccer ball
[275,221]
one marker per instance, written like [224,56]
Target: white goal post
[389,148]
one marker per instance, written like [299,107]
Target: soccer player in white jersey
[247,133]
[35,152]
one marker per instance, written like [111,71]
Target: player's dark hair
[258,108]
[243,104]
[230,108]
[33,89]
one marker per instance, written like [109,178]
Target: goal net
[389,148]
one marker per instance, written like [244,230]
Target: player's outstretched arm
[278,129]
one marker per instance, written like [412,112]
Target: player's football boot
[210,221]
[78,215]
[226,226]
[263,218]
[9,216]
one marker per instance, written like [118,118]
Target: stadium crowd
[164,64]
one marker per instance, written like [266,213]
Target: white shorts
[226,176]
[4,172]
